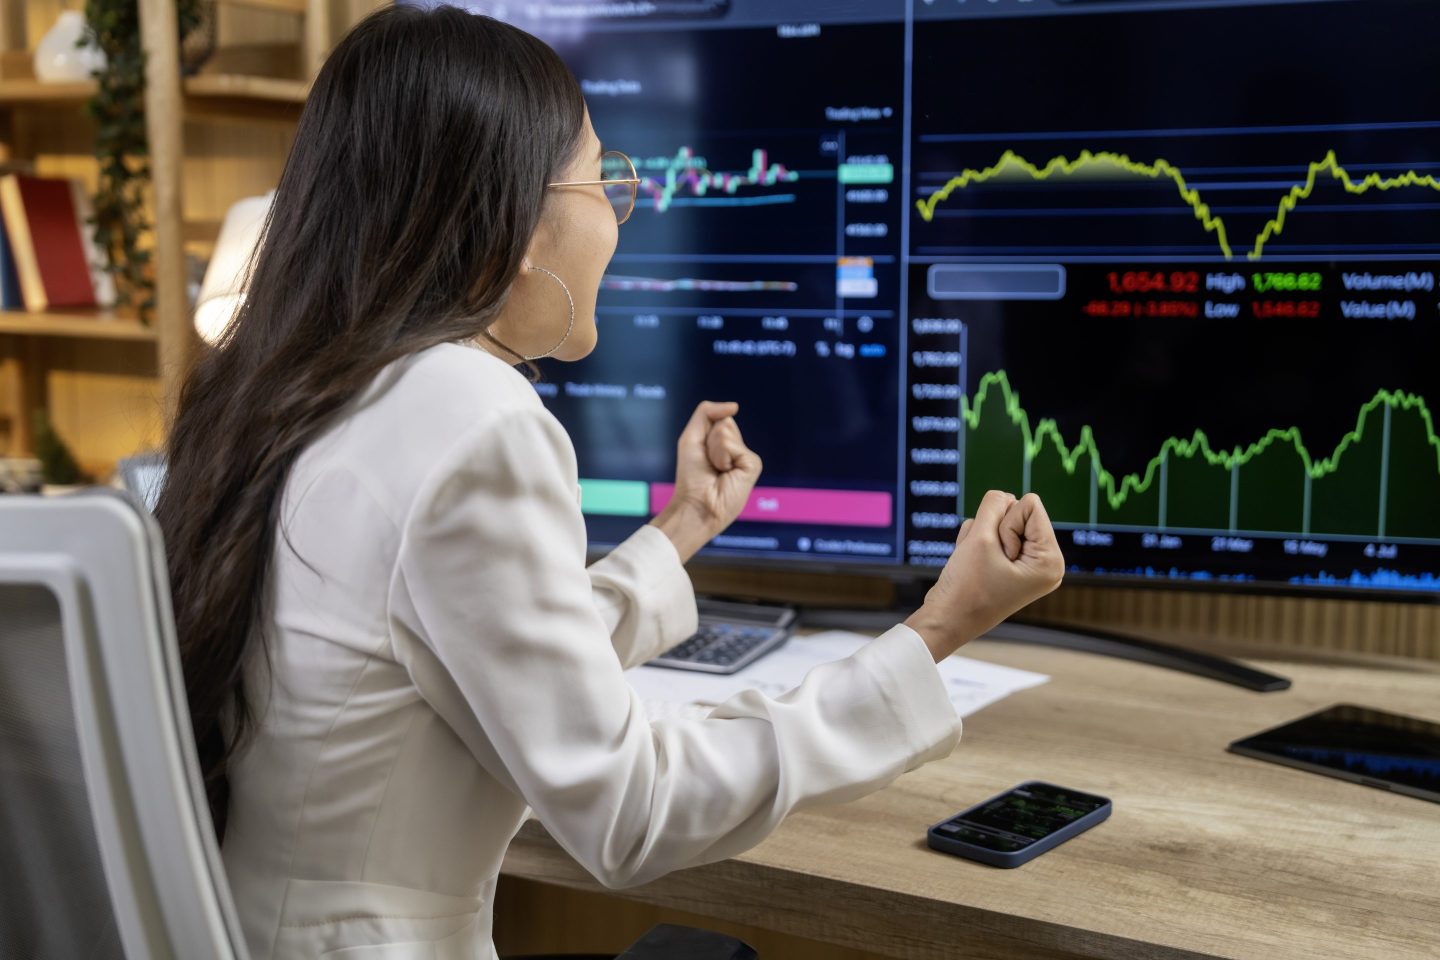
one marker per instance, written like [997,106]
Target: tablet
[1359,744]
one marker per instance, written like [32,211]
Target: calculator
[731,637]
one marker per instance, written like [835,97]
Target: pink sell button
[840,508]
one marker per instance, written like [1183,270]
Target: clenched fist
[1005,557]
[714,474]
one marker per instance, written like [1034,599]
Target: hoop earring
[568,299]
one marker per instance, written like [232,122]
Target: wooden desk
[1207,854]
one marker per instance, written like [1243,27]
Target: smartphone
[1019,824]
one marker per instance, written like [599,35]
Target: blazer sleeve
[644,596]
[491,580]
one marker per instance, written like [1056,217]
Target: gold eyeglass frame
[633,180]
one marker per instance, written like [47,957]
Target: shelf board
[82,324]
[18,91]
[218,86]
[287,6]
[214,94]
[231,86]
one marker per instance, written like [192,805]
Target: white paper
[972,684]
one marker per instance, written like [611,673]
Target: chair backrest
[106,843]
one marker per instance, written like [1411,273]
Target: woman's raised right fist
[1005,557]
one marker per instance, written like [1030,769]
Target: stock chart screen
[1171,265]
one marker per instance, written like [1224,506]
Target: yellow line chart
[1087,161]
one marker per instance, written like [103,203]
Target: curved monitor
[1172,265]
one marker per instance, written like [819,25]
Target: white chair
[106,845]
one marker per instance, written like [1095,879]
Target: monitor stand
[1085,639]
[1152,652]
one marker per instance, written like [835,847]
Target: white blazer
[439,658]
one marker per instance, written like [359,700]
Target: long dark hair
[413,188]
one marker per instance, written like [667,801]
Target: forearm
[643,596]
[943,633]
[687,529]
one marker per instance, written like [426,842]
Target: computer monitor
[1171,265]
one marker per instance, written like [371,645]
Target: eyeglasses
[618,177]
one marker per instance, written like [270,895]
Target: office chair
[106,845]
[105,838]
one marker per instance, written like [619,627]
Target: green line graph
[1382,479]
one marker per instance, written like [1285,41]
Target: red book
[54,255]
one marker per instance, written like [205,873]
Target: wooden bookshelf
[109,383]
[76,324]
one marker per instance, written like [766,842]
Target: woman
[390,638]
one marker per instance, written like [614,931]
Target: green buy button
[615,498]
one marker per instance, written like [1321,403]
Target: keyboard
[731,637]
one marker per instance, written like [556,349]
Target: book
[10,298]
[56,260]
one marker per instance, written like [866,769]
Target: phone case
[1008,859]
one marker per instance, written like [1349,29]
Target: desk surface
[1206,854]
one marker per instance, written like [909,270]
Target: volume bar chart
[1381,480]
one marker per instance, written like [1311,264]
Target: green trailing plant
[122,147]
[57,463]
